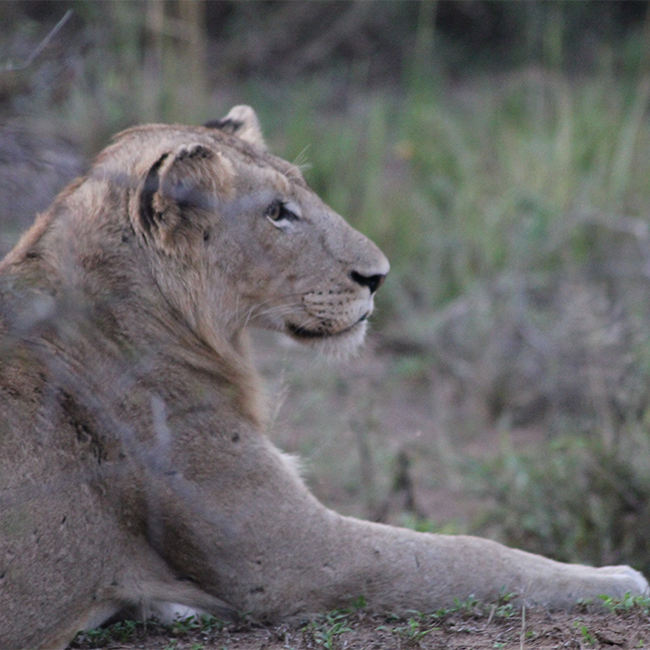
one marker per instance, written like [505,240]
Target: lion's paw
[631,580]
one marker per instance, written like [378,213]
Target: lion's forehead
[145,144]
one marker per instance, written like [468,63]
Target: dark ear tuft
[194,150]
[225,124]
[242,123]
[147,193]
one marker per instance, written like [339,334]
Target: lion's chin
[340,345]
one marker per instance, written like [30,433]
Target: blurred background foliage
[499,152]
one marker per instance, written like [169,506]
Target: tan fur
[134,470]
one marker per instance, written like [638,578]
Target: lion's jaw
[334,322]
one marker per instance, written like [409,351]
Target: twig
[494,607]
[12,67]
[522,637]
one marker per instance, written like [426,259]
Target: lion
[134,467]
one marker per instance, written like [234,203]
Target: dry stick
[11,67]
[523,628]
[366,466]
[490,616]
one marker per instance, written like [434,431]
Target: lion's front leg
[410,570]
[265,545]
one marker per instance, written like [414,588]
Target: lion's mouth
[300,332]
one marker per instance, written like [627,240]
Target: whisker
[300,161]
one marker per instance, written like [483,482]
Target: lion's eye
[274,211]
[281,214]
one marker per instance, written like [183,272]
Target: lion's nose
[373,282]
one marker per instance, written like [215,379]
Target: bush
[574,499]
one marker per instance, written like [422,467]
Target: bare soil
[477,628]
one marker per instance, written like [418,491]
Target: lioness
[134,469]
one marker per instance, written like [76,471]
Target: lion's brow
[250,202]
[290,171]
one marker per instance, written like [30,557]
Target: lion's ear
[241,122]
[174,184]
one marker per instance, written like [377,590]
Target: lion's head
[248,241]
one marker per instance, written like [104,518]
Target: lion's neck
[228,370]
[122,321]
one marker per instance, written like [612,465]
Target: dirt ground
[477,628]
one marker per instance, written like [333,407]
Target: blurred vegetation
[497,151]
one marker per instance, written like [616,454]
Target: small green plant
[182,626]
[125,630]
[99,636]
[120,632]
[505,611]
[326,630]
[414,630]
[358,603]
[587,636]
[504,608]
[626,603]
[467,606]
